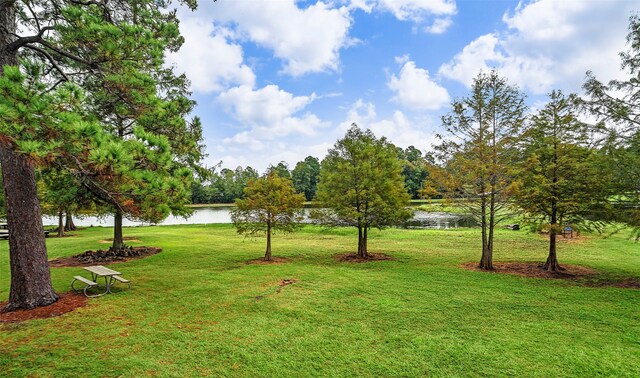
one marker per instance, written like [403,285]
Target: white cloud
[306,39]
[209,60]
[440,25]
[477,56]
[403,132]
[414,88]
[272,123]
[398,129]
[418,11]
[549,44]
[270,111]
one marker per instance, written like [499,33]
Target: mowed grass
[192,310]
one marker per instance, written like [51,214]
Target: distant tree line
[227,185]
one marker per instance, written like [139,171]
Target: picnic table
[110,277]
[4,231]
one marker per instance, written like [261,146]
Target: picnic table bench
[4,231]
[110,277]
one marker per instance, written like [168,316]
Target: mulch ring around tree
[133,239]
[66,303]
[273,261]
[579,274]
[105,257]
[354,258]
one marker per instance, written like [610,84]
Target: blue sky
[277,80]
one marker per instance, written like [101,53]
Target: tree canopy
[270,205]
[479,151]
[305,176]
[617,105]
[361,185]
[560,181]
[89,69]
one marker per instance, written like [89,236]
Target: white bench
[88,283]
[123,280]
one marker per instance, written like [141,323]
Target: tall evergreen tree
[305,176]
[281,169]
[361,185]
[560,180]
[617,105]
[479,151]
[86,43]
[414,170]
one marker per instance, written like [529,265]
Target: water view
[221,214]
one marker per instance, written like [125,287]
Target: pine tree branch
[51,60]
[22,41]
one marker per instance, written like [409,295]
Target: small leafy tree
[560,180]
[479,151]
[361,185]
[270,205]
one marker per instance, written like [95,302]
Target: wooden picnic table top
[101,270]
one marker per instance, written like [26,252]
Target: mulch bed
[274,261]
[66,303]
[104,257]
[584,275]
[354,258]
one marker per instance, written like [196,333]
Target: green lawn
[193,310]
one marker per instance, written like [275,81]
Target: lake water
[221,214]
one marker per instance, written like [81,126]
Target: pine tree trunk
[486,261]
[552,264]
[60,224]
[362,243]
[118,240]
[69,225]
[30,277]
[267,254]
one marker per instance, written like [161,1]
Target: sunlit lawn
[192,310]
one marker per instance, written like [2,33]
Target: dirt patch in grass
[66,303]
[133,239]
[287,281]
[580,274]
[281,285]
[104,257]
[354,258]
[274,261]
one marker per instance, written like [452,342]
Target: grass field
[193,310]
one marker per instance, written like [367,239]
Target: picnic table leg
[107,282]
[93,296]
